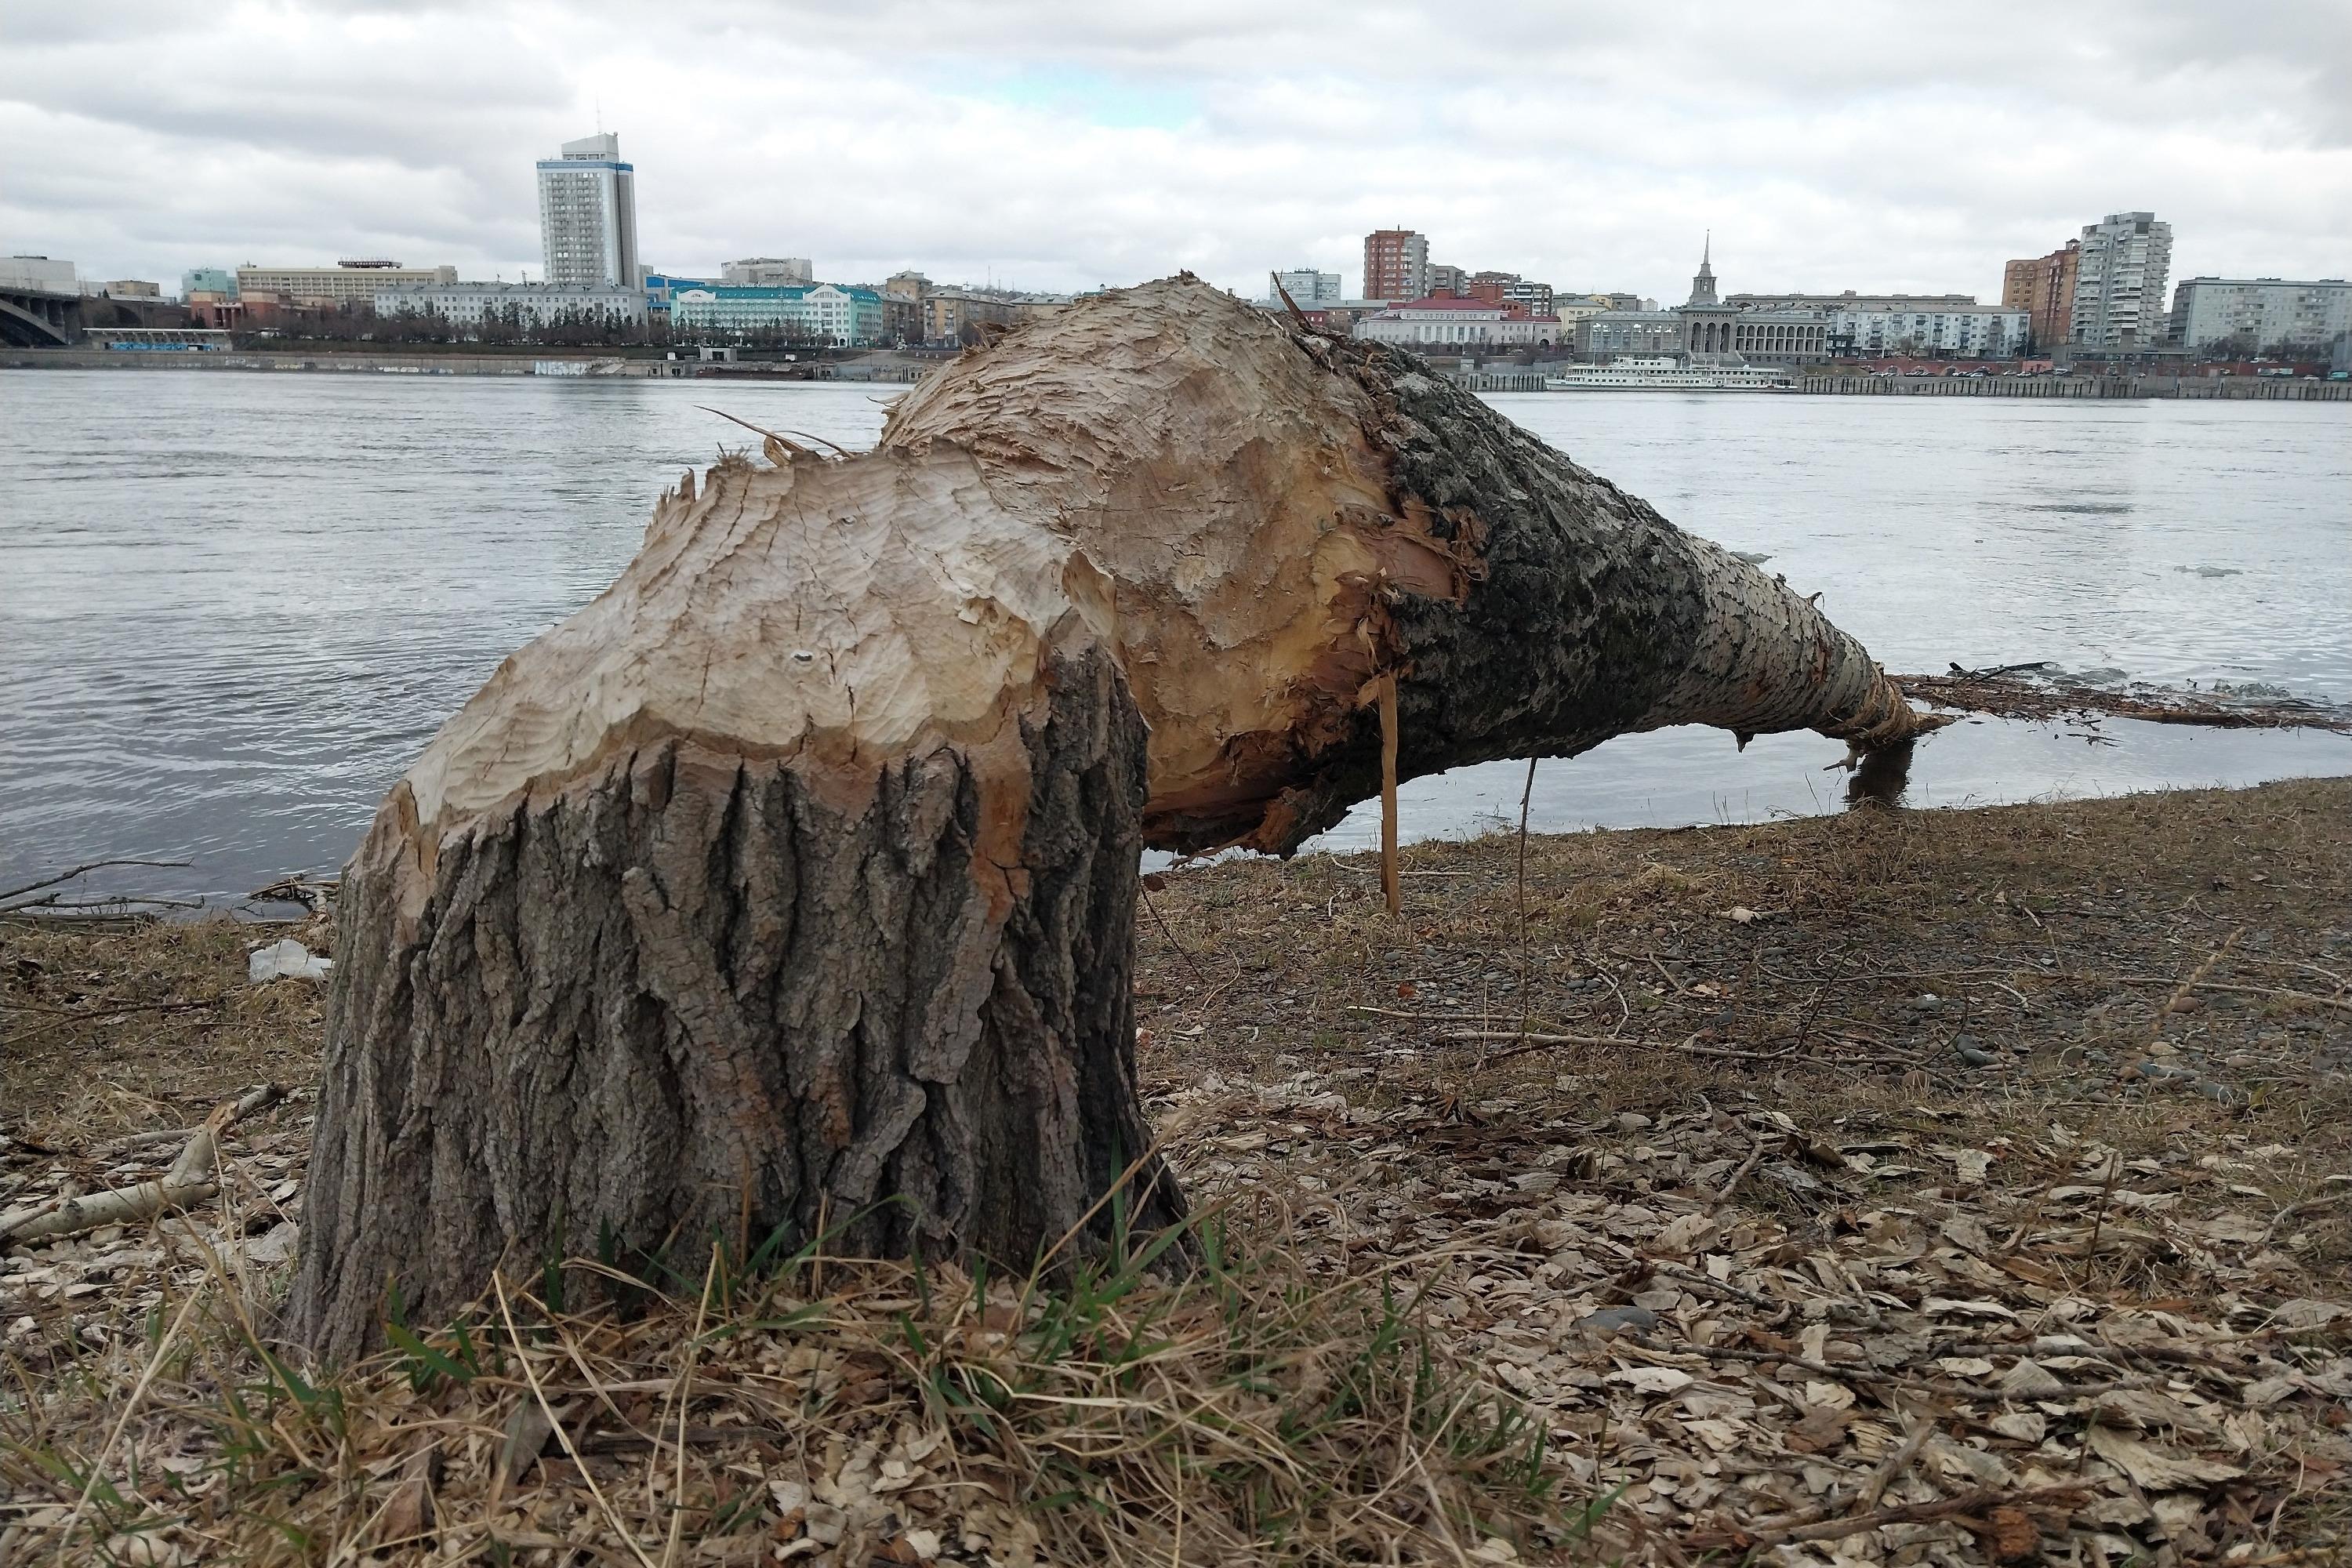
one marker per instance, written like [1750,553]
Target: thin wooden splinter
[1391,883]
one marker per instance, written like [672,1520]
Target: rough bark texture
[690,998]
[1589,615]
[792,881]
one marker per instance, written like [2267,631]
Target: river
[233,607]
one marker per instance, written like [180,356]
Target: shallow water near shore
[233,607]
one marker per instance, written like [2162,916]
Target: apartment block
[2119,282]
[2256,315]
[2043,287]
[1396,265]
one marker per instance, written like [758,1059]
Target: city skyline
[1090,149]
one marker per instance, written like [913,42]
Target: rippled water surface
[233,607]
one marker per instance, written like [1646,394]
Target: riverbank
[886,365]
[636,365]
[2075,388]
[1947,1186]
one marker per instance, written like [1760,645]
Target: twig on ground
[1896,1463]
[1539,1042]
[2311,997]
[1921,1513]
[1526,994]
[255,1099]
[1731,1183]
[1182,951]
[63,877]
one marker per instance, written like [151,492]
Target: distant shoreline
[891,368]
[888,368]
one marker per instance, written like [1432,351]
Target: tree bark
[791,884]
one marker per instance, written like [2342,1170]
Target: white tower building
[2119,299]
[588,216]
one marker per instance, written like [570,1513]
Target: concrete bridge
[46,319]
[37,318]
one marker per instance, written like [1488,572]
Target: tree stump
[833,931]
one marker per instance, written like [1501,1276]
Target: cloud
[1876,145]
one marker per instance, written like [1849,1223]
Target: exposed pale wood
[126,1205]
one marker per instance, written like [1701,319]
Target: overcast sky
[1877,146]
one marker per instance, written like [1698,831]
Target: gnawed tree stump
[792,882]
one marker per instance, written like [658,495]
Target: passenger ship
[1663,373]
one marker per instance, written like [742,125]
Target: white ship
[1663,373]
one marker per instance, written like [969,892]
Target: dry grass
[851,1412]
[1776,1270]
[115,1027]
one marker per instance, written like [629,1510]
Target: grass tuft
[1122,1408]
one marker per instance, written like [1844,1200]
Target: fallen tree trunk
[790,885]
[2040,692]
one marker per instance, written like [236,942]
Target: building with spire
[1711,327]
[1708,328]
[1703,280]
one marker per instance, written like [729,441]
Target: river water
[233,607]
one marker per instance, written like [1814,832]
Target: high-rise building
[1446,279]
[588,216]
[769,272]
[1396,264]
[2119,282]
[1306,286]
[2043,287]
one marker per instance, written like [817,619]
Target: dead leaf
[2024,1425]
[1956,1307]
[1652,1379]
[2033,1273]
[1970,1166]
[1822,1430]
[1829,1395]
[2029,1379]
[2013,1535]
[2152,1468]
[408,1517]
[1684,1235]
[526,1432]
